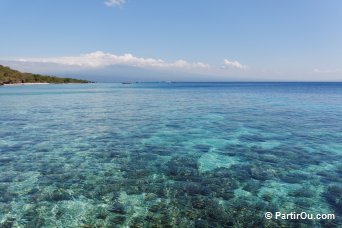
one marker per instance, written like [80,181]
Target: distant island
[10,76]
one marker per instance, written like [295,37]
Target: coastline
[33,83]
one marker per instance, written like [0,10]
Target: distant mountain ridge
[10,76]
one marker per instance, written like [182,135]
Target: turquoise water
[169,154]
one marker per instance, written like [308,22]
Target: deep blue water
[170,154]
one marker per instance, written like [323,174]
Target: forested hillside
[10,76]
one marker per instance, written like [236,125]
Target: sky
[174,40]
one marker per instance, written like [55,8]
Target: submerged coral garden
[188,159]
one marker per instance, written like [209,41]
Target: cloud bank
[234,65]
[101,59]
[105,64]
[111,3]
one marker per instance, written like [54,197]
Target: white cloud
[101,59]
[234,64]
[114,2]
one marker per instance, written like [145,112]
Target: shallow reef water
[170,154]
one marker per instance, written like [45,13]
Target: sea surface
[170,154]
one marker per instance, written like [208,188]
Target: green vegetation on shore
[10,76]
